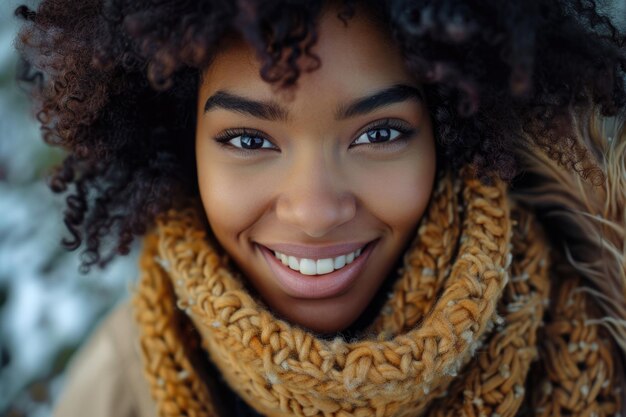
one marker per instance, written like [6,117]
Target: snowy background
[46,307]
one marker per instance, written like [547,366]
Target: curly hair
[114,83]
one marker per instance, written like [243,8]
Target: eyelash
[229,134]
[404,129]
[404,132]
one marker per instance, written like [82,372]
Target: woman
[351,209]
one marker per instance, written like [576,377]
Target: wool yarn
[459,334]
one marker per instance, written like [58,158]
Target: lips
[326,285]
[316,252]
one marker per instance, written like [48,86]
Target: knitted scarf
[473,326]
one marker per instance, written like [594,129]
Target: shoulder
[105,378]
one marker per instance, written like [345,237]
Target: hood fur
[582,205]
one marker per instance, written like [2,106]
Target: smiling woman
[350,209]
[308,174]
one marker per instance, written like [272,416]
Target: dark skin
[115,85]
[317,168]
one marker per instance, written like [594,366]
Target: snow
[46,307]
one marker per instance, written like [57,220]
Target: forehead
[355,58]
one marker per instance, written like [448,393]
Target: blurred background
[47,308]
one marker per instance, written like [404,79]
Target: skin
[314,186]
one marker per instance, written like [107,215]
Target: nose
[313,198]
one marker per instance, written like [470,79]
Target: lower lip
[316,286]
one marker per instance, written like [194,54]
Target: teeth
[324,266]
[307,267]
[350,258]
[294,263]
[339,262]
[317,267]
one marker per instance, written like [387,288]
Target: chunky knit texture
[462,332]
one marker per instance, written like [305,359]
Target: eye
[245,139]
[380,134]
[383,131]
[250,142]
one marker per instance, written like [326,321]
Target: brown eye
[378,135]
[250,142]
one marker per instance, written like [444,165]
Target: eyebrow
[267,110]
[272,111]
[395,94]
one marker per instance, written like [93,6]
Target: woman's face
[342,168]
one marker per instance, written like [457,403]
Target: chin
[320,316]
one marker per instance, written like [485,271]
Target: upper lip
[315,252]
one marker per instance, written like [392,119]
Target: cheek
[397,192]
[233,196]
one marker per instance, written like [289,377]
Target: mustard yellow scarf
[474,326]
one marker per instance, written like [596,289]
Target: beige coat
[105,378]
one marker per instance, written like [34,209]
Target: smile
[315,273]
[308,266]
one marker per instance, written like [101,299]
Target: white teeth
[339,262]
[307,267]
[317,267]
[350,258]
[324,266]
[294,263]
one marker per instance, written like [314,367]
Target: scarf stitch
[458,335]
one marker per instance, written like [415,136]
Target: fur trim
[583,209]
